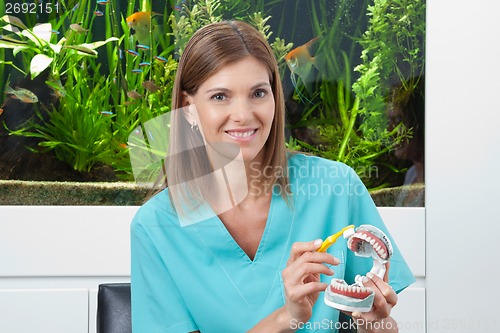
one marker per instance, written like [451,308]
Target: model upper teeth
[241,134]
[376,245]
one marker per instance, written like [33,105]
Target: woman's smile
[242,135]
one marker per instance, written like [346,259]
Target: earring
[194,126]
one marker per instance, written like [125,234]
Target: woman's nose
[241,112]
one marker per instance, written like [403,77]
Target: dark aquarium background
[80,76]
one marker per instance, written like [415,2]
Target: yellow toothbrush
[347,232]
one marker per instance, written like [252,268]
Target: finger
[358,317]
[317,257]
[300,291]
[298,248]
[363,318]
[298,275]
[380,308]
[387,292]
[307,272]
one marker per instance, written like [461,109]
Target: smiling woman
[254,250]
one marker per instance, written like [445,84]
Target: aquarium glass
[80,78]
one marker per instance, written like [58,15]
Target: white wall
[52,260]
[463,165]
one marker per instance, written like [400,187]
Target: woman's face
[236,105]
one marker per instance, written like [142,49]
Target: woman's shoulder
[302,165]
[156,209]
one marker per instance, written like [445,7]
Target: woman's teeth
[241,134]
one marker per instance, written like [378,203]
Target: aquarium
[82,79]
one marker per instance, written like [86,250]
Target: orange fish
[300,62]
[140,26]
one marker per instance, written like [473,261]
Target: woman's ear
[187,108]
[186,99]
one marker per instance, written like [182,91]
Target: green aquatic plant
[107,95]
[338,135]
[279,46]
[97,107]
[68,125]
[79,131]
[185,23]
[333,114]
[393,54]
[36,45]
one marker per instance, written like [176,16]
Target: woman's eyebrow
[225,90]
[261,84]
[217,89]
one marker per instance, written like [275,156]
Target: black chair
[113,308]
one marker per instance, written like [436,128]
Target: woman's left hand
[385,299]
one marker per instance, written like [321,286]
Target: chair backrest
[113,308]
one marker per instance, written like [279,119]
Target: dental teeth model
[367,241]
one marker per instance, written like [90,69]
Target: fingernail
[318,242]
[356,315]
[364,279]
[370,275]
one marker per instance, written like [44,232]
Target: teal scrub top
[196,277]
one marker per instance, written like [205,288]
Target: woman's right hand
[301,278]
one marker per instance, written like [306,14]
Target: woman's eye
[219,97]
[260,93]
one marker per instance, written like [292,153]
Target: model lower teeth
[342,288]
[367,241]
